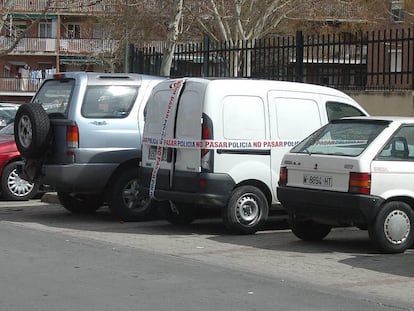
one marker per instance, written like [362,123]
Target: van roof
[258,84]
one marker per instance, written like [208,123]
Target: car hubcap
[132,197]
[397,227]
[25,132]
[247,210]
[19,187]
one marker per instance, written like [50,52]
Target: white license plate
[317,180]
[152,153]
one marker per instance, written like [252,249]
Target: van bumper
[189,187]
[330,207]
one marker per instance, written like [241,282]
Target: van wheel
[80,203]
[309,230]
[179,214]
[15,188]
[31,130]
[125,198]
[392,230]
[246,211]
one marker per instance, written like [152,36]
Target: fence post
[299,56]
[206,55]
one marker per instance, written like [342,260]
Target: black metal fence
[373,60]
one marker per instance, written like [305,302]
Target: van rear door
[173,114]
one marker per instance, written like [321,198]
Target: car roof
[398,119]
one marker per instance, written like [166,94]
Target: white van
[219,142]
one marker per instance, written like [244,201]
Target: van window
[243,118]
[296,117]
[189,116]
[338,110]
[108,101]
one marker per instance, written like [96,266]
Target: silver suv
[82,135]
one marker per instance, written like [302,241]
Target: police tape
[176,86]
[215,144]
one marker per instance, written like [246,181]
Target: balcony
[62,6]
[50,46]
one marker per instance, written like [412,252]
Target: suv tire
[125,198]
[80,203]
[31,130]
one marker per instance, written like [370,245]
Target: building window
[73,31]
[45,30]
[397,11]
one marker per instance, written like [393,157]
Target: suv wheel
[15,188]
[80,203]
[246,211]
[31,130]
[392,230]
[125,199]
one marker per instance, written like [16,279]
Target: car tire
[246,211]
[125,199]
[13,187]
[309,230]
[392,229]
[80,203]
[179,214]
[31,130]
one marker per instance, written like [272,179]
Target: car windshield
[342,137]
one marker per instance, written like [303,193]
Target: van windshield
[54,95]
[342,137]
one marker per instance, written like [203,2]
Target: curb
[50,197]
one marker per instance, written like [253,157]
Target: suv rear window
[109,101]
[54,95]
[346,138]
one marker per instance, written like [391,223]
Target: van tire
[125,199]
[383,233]
[246,211]
[179,214]
[308,230]
[80,203]
[31,130]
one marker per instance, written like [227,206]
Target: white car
[353,172]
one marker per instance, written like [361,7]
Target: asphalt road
[53,260]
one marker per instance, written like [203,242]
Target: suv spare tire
[31,130]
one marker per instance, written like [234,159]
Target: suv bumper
[189,187]
[81,178]
[335,208]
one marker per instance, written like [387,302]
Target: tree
[172,36]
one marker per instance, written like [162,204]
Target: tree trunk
[173,32]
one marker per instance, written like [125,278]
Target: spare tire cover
[31,130]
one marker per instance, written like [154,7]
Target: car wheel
[15,188]
[246,211]
[31,130]
[309,230]
[125,198]
[80,203]
[392,230]
[179,214]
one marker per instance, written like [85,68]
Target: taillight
[359,183]
[72,136]
[206,134]
[283,176]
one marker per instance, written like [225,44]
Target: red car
[12,187]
